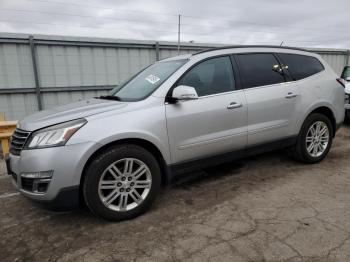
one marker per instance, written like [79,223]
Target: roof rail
[249,46]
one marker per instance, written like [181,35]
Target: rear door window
[301,66]
[260,69]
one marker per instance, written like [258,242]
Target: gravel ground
[265,208]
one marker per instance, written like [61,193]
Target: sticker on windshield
[152,79]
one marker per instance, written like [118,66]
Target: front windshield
[147,81]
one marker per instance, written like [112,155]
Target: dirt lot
[265,208]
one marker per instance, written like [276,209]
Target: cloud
[297,23]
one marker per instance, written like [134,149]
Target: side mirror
[184,93]
[347,78]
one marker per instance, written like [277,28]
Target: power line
[149,21]
[256,30]
[254,23]
[84,16]
[212,18]
[166,31]
[99,27]
[102,8]
[206,19]
[78,26]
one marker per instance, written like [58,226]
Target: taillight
[341,81]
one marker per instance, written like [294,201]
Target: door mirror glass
[184,93]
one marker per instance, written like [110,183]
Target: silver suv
[180,114]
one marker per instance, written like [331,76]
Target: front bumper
[66,199]
[65,164]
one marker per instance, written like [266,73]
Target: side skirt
[198,164]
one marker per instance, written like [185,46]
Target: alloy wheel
[317,139]
[125,184]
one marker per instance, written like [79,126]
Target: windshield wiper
[109,97]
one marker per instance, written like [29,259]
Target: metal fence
[40,72]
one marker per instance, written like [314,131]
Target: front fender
[142,136]
[146,122]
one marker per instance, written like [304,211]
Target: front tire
[122,182]
[314,140]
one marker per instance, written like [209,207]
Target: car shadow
[230,169]
[184,192]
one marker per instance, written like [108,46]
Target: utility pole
[178,35]
[33,54]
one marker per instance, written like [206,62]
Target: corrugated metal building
[40,72]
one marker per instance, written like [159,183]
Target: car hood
[68,112]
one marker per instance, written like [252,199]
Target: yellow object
[6,130]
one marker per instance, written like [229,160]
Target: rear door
[214,123]
[271,98]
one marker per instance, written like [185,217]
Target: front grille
[18,139]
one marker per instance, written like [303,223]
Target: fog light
[36,182]
[36,175]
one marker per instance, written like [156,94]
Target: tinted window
[210,77]
[346,72]
[259,69]
[301,66]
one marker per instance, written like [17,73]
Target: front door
[214,123]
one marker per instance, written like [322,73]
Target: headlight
[56,135]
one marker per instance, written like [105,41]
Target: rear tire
[314,140]
[122,182]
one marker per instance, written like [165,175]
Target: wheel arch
[328,112]
[149,146]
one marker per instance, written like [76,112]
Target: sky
[293,23]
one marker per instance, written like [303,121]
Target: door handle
[234,105]
[291,95]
